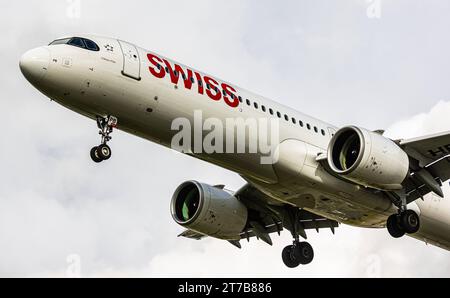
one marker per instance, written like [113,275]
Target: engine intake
[367,158]
[208,210]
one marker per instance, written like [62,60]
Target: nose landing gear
[103,151]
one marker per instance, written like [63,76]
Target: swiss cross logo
[109,48]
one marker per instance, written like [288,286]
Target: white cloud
[434,121]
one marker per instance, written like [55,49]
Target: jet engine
[367,158]
[208,210]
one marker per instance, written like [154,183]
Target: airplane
[318,176]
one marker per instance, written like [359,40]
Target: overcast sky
[325,58]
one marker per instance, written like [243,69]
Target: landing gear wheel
[394,226]
[410,221]
[94,155]
[304,253]
[104,152]
[288,256]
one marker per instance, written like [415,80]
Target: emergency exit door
[131,61]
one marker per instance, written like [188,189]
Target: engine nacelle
[208,210]
[367,158]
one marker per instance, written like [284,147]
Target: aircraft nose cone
[34,64]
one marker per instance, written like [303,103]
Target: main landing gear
[405,221]
[103,151]
[299,252]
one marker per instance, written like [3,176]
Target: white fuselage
[107,82]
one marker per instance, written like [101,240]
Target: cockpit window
[59,41]
[90,45]
[77,42]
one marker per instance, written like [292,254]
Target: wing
[430,164]
[265,219]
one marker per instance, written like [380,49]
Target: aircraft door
[131,61]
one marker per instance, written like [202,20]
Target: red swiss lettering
[177,72]
[213,92]
[199,82]
[231,92]
[158,71]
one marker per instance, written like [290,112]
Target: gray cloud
[324,58]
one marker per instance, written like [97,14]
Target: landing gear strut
[103,151]
[299,252]
[404,222]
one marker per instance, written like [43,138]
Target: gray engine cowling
[208,210]
[367,158]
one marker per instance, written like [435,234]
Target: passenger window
[315,129]
[240,98]
[286,117]
[192,80]
[323,131]
[279,114]
[248,102]
[294,121]
[256,105]
[78,42]
[270,111]
[263,108]
[301,123]
[308,126]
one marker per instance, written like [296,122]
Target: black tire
[94,155]
[394,227]
[288,257]
[104,152]
[304,253]
[410,221]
